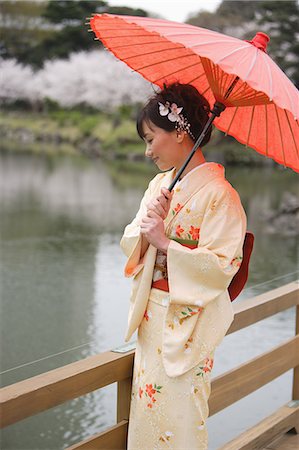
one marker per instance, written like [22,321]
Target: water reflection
[63,288]
[110,292]
[69,192]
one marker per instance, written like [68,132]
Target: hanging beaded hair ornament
[173,112]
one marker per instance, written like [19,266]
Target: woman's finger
[166,193]
[161,200]
[158,209]
[152,214]
[146,220]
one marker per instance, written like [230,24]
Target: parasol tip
[260,41]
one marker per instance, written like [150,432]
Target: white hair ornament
[173,112]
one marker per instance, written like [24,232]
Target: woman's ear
[180,136]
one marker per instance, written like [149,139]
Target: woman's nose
[148,152]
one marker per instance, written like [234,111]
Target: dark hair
[195,109]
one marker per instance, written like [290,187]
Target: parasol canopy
[260,104]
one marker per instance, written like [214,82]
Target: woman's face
[161,146]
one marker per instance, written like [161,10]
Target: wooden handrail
[253,310]
[42,392]
[113,438]
[229,388]
[57,386]
[250,376]
[268,429]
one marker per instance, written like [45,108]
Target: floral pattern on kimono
[166,412]
[206,208]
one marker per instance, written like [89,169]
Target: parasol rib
[242,87]
[163,61]
[252,65]
[231,87]
[143,44]
[161,24]
[250,125]
[230,53]
[270,77]
[289,96]
[226,81]
[221,75]
[128,28]
[266,121]
[232,119]
[177,71]
[103,36]
[199,44]
[292,133]
[153,53]
[280,134]
[196,78]
[206,90]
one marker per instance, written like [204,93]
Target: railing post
[295,394]
[296,369]
[124,389]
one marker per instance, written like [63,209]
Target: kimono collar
[190,184]
[197,177]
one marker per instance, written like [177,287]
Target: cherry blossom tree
[94,78]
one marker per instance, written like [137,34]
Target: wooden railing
[42,392]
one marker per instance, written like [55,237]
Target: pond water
[64,297]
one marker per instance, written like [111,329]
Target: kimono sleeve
[131,240]
[198,276]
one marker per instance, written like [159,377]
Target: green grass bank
[96,134]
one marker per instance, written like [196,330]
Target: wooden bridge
[278,431]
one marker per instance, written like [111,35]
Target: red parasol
[260,104]
[250,97]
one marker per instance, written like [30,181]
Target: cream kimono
[204,207]
[179,330]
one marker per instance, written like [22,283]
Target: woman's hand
[161,204]
[152,228]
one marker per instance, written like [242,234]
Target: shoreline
[100,135]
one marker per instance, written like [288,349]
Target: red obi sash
[239,280]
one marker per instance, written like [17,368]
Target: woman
[183,250]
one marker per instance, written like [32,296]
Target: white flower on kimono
[199,303]
[165,301]
[201,425]
[184,183]
[176,320]
[140,373]
[169,433]
[228,268]
[193,205]
[194,389]
[166,436]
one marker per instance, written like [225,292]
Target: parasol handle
[216,111]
